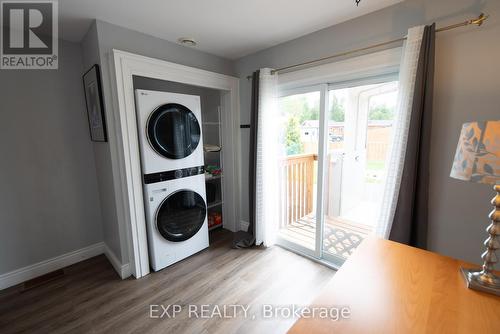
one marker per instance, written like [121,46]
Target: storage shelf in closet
[209,177]
[213,205]
[214,227]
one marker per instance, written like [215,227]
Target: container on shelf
[214,219]
[213,170]
[211,148]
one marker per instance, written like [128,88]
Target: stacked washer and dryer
[171,146]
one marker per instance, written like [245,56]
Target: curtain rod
[478,21]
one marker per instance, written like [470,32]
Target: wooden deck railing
[298,187]
[297,183]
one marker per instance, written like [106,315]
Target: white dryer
[170,132]
[176,216]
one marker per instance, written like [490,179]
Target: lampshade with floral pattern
[478,153]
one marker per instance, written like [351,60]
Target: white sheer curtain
[267,160]
[407,76]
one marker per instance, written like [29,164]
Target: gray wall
[466,88]
[102,156]
[49,201]
[101,39]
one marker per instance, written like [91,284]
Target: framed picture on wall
[95,106]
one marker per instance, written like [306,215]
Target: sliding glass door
[336,139]
[301,110]
[360,120]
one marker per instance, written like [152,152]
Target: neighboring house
[309,131]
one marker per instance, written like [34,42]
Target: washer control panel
[173,174]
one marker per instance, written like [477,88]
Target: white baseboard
[123,270]
[44,267]
[244,225]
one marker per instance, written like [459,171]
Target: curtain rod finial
[479,20]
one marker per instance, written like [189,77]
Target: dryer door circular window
[173,131]
[181,215]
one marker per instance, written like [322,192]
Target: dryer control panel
[173,174]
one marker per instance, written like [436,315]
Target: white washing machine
[176,216]
[170,132]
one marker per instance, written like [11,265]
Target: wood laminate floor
[90,298]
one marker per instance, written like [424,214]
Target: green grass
[375,165]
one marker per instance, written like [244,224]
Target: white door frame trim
[123,66]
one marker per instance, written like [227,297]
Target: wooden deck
[298,223]
[340,237]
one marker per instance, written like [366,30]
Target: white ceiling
[228,28]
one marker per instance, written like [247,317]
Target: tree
[337,111]
[381,112]
[298,106]
[292,141]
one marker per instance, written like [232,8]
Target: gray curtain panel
[410,219]
[253,150]
[243,239]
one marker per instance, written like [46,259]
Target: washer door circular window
[173,131]
[181,215]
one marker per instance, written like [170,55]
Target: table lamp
[478,160]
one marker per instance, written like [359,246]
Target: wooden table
[393,288]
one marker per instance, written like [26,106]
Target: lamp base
[477,280]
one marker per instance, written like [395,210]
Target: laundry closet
[188,182]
